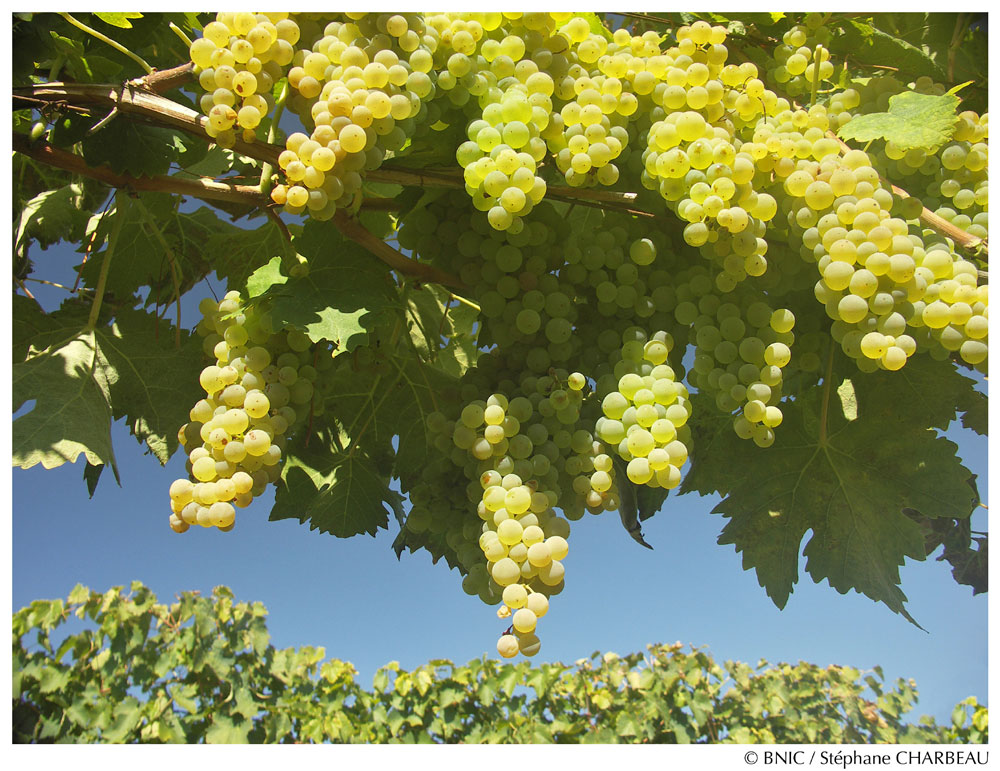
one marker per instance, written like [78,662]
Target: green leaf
[442,329]
[381,189]
[79,595]
[126,716]
[53,679]
[151,382]
[141,259]
[31,325]
[913,121]
[245,705]
[185,696]
[214,162]
[345,293]
[848,399]
[92,475]
[226,730]
[597,26]
[120,20]
[72,411]
[234,253]
[52,216]
[940,392]
[379,223]
[265,277]
[132,148]
[649,500]
[846,482]
[868,45]
[341,493]
[81,381]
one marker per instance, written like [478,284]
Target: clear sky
[354,598]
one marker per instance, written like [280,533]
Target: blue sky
[354,598]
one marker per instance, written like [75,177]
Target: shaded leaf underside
[843,481]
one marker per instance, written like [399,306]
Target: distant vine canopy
[208,673]
[488,274]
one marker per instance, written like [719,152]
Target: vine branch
[204,188]
[140,99]
[396,260]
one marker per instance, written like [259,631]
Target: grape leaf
[971,566]
[120,20]
[597,26]
[30,323]
[81,381]
[152,384]
[91,476]
[341,492]
[650,500]
[226,730]
[418,391]
[233,252]
[265,277]
[940,392]
[845,481]
[215,162]
[442,330]
[345,292]
[867,45]
[139,258]
[132,148]
[913,120]
[71,414]
[51,216]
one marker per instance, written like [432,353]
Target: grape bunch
[258,391]
[879,281]
[521,537]
[802,47]
[527,101]
[240,57]
[644,419]
[358,90]
[741,346]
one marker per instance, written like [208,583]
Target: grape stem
[171,261]
[396,260]
[827,387]
[267,168]
[961,25]
[27,292]
[102,280]
[180,33]
[817,54]
[464,300]
[48,283]
[105,39]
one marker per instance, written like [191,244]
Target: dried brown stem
[138,102]
[161,81]
[203,188]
